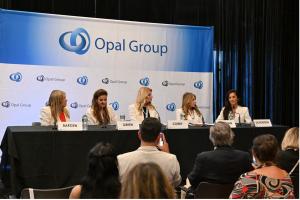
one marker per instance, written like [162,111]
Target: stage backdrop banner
[43,52]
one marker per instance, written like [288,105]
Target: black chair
[213,191]
[59,193]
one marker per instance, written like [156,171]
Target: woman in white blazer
[189,109]
[56,110]
[233,111]
[99,113]
[143,106]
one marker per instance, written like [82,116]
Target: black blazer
[222,165]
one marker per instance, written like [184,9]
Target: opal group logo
[17,77]
[171,107]
[80,48]
[165,83]
[8,104]
[145,81]
[105,80]
[5,104]
[115,105]
[40,78]
[82,80]
[198,84]
[74,105]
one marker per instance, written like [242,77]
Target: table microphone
[157,114]
[55,125]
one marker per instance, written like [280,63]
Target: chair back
[59,193]
[213,191]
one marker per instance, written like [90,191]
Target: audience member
[267,180]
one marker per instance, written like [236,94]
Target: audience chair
[59,193]
[213,191]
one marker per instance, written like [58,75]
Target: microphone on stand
[239,118]
[157,114]
[203,122]
[55,125]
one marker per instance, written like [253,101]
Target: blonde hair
[147,181]
[55,102]
[141,98]
[187,99]
[290,139]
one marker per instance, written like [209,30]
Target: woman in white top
[56,110]
[99,113]
[232,111]
[143,106]
[189,109]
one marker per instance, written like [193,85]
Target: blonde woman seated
[189,109]
[99,113]
[147,181]
[56,110]
[143,106]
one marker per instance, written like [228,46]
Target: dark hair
[150,129]
[265,147]
[102,119]
[102,179]
[228,107]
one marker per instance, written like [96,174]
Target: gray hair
[221,134]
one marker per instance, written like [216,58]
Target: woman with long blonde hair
[189,109]
[56,110]
[143,106]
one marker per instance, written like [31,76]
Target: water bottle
[84,123]
[122,117]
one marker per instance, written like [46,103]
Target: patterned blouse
[252,185]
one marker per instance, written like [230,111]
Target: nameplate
[69,126]
[231,123]
[128,125]
[178,124]
[262,123]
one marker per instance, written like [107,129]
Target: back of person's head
[147,181]
[102,179]
[221,134]
[150,129]
[265,148]
[291,139]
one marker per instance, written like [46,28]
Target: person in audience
[99,113]
[267,180]
[56,110]
[102,178]
[150,151]
[288,157]
[233,111]
[143,106]
[147,181]
[224,164]
[189,110]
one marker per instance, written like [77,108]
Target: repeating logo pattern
[83,80]
[145,81]
[171,107]
[5,104]
[74,105]
[165,83]
[105,80]
[17,77]
[72,46]
[198,84]
[40,78]
[115,105]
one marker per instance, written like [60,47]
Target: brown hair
[187,98]
[228,107]
[265,148]
[55,102]
[104,117]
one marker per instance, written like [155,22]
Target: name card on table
[128,125]
[231,123]
[177,124]
[69,126]
[262,123]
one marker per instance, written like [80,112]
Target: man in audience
[224,164]
[150,151]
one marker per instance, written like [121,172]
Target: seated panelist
[189,109]
[56,110]
[143,106]
[233,111]
[99,113]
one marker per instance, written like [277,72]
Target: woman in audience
[288,158]
[189,110]
[99,113]
[143,106]
[102,179]
[56,110]
[267,180]
[147,181]
[233,111]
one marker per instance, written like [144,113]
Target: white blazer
[242,111]
[93,121]
[46,117]
[191,117]
[135,115]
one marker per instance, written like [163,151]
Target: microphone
[203,122]
[239,118]
[157,114]
[55,124]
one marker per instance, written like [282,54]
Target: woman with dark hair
[102,179]
[233,111]
[99,113]
[267,180]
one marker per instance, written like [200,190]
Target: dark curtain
[256,43]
